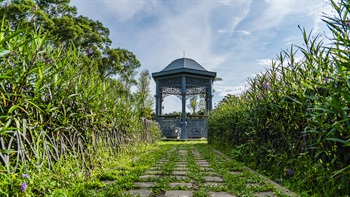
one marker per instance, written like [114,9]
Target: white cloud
[243,33]
[323,9]
[210,32]
[126,9]
[291,40]
[225,90]
[273,15]
[265,62]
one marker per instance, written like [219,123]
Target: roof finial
[184,53]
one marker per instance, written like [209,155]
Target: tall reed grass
[296,114]
[54,106]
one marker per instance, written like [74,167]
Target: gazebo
[183,78]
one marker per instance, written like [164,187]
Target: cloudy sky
[235,38]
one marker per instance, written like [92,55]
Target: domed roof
[183,66]
[184,63]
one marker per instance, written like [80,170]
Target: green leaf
[7,151]
[5,77]
[13,108]
[324,109]
[4,52]
[336,140]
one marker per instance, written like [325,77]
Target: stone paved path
[185,173]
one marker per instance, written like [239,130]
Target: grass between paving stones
[116,177]
[167,168]
[242,182]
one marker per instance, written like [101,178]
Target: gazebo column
[160,103]
[157,100]
[206,103]
[183,117]
[210,96]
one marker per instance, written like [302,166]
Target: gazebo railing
[197,126]
[170,126]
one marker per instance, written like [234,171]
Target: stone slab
[264,194]
[153,172]
[180,165]
[210,173]
[181,169]
[179,173]
[188,185]
[180,177]
[178,193]
[140,192]
[148,176]
[220,194]
[213,179]
[214,184]
[206,169]
[202,163]
[182,162]
[144,184]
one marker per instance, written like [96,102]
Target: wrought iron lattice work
[194,86]
[170,127]
[195,82]
[197,127]
[170,87]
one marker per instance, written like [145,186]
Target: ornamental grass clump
[296,114]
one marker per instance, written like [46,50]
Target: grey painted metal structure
[183,77]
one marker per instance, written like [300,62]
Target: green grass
[236,184]
[115,175]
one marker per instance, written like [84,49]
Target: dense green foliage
[58,116]
[292,123]
[67,27]
[143,95]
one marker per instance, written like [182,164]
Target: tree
[60,19]
[193,104]
[67,27]
[129,64]
[198,103]
[143,95]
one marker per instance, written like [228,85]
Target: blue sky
[235,38]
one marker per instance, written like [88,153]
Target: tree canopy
[64,24]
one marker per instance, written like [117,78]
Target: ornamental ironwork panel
[197,82]
[168,91]
[172,82]
[170,86]
[197,127]
[196,90]
[195,86]
[171,127]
